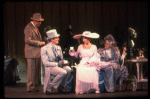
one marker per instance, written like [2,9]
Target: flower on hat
[86,33]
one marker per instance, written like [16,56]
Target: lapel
[35,29]
[50,50]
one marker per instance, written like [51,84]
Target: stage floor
[19,91]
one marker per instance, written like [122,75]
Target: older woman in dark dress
[111,53]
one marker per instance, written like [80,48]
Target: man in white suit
[52,59]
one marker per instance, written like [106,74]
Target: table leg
[141,71]
[138,72]
[42,73]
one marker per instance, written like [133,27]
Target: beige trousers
[33,72]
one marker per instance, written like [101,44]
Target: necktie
[54,50]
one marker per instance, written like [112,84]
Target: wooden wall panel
[121,36]
[114,21]
[98,18]
[11,29]
[81,17]
[37,7]
[47,15]
[138,22]
[74,17]
[138,16]
[28,12]
[56,16]
[144,24]
[64,16]
[89,16]
[122,14]
[106,17]
[20,23]
[5,36]
[131,13]
[97,22]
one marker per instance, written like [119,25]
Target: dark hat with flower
[110,38]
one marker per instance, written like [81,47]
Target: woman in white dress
[86,71]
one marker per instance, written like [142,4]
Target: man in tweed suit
[53,65]
[33,42]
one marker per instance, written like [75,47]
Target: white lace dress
[87,77]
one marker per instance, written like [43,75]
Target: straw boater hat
[52,34]
[37,17]
[87,34]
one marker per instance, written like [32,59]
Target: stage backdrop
[101,17]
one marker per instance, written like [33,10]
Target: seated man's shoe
[48,93]
[62,90]
[90,91]
[36,90]
[49,90]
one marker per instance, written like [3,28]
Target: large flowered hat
[87,34]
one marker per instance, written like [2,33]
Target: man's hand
[41,43]
[66,63]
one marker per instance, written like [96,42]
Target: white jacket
[48,59]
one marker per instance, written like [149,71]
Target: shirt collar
[52,45]
[33,24]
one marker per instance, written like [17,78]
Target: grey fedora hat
[37,17]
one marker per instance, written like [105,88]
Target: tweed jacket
[32,39]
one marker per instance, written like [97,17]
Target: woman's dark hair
[50,39]
[112,45]
[87,38]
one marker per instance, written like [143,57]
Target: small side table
[139,65]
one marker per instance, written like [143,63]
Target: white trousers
[61,76]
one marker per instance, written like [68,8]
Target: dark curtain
[105,17]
